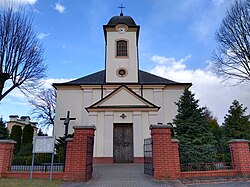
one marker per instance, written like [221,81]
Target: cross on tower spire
[121,7]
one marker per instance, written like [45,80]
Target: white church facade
[121,101]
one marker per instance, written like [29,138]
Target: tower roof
[121,20]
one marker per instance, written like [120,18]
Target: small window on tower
[121,48]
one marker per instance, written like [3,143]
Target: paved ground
[122,175]
[131,175]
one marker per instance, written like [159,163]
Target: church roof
[98,78]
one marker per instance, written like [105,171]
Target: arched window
[121,48]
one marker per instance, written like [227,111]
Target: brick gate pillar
[6,155]
[76,154]
[240,155]
[165,153]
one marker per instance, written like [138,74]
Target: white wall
[169,98]
[68,100]
[76,100]
[113,63]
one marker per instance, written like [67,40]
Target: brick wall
[165,153]
[216,173]
[75,165]
[6,155]
[35,175]
[240,155]
[166,157]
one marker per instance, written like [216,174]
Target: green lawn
[9,182]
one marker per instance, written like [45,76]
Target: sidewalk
[224,184]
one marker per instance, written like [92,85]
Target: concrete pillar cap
[7,141]
[85,127]
[160,126]
[175,140]
[69,139]
[238,140]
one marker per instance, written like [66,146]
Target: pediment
[123,98]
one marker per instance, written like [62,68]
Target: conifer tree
[213,125]
[26,146]
[27,134]
[196,139]
[221,146]
[16,135]
[236,122]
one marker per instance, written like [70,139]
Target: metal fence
[89,157]
[204,158]
[42,163]
[44,167]
[148,157]
[207,166]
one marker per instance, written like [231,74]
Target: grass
[11,182]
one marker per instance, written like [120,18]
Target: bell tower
[121,39]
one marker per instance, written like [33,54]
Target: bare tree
[21,54]
[44,106]
[232,57]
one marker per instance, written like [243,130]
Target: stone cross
[66,123]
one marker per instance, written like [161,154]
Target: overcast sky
[176,42]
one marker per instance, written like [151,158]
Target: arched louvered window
[121,48]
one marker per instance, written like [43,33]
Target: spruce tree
[222,149]
[236,122]
[16,135]
[196,139]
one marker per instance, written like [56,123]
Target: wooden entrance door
[123,143]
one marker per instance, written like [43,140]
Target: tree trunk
[3,78]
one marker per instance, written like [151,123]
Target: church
[122,101]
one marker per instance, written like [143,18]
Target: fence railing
[42,163]
[148,157]
[89,157]
[204,158]
[212,166]
[44,167]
